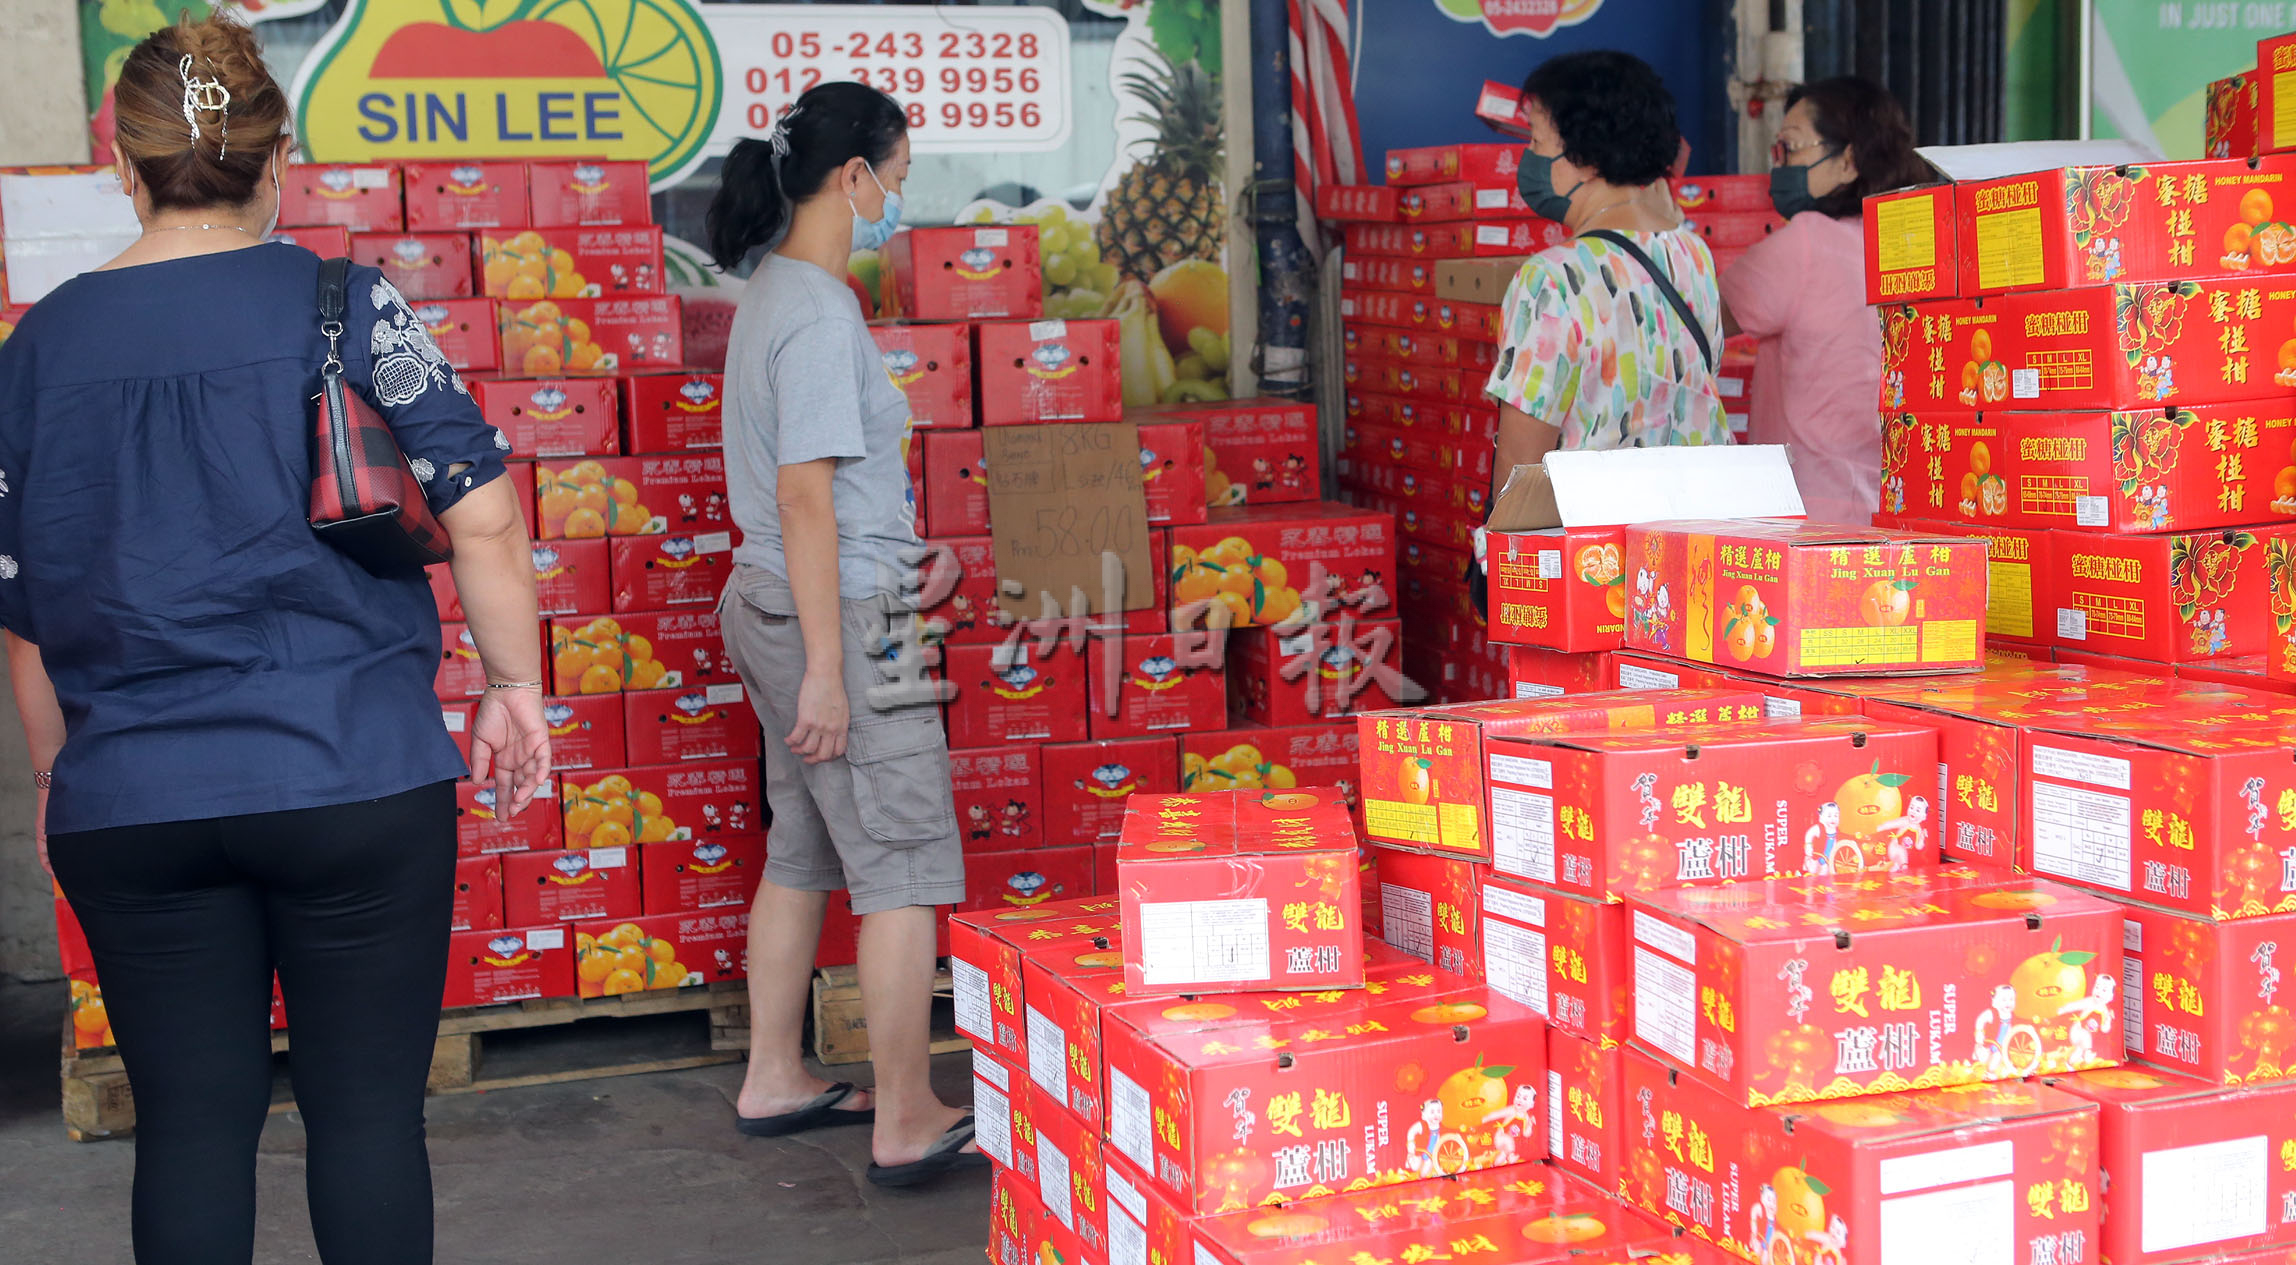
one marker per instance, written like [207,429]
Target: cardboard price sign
[1068,518]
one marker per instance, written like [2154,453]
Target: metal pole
[2088,66]
[1286,278]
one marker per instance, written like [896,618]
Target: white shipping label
[1130,1124]
[1127,1236]
[971,986]
[1774,708]
[2072,625]
[370,177]
[1408,920]
[1490,199]
[723,695]
[1731,388]
[1490,235]
[988,1069]
[1964,1225]
[2081,766]
[1047,331]
[1204,941]
[991,236]
[1554,1113]
[1633,676]
[1904,1174]
[1532,689]
[2082,835]
[2132,1004]
[1052,1182]
[1515,963]
[2204,1194]
[609,858]
[1665,937]
[714,542]
[1550,564]
[1523,771]
[2025,384]
[1047,1054]
[1523,834]
[1666,1005]
[2132,936]
[546,939]
[456,722]
[992,1121]
[1520,906]
[2092,511]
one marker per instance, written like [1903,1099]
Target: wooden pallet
[841,1030]
[487,1048]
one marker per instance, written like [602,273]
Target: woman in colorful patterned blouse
[1595,354]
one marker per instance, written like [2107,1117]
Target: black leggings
[187,921]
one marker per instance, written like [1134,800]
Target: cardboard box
[960,572]
[2229,129]
[2017,571]
[1321,672]
[1048,371]
[589,335]
[1284,548]
[933,366]
[1563,956]
[670,726]
[1086,784]
[477,894]
[652,573]
[1020,880]
[1415,347]
[682,411]
[488,968]
[1432,384]
[2196,1167]
[552,417]
[719,872]
[1149,685]
[1465,240]
[674,803]
[1586,1109]
[1536,673]
[364,198]
[633,496]
[1424,768]
[1012,694]
[1430,908]
[1064,996]
[952,486]
[457,717]
[651,952]
[1610,815]
[464,330]
[609,654]
[422,266]
[1486,164]
[1501,105]
[1455,200]
[1239,888]
[1730,232]
[460,675]
[1358,203]
[325,241]
[966,273]
[2164,221]
[2167,599]
[478,831]
[1924,979]
[1481,281]
[1928,1176]
[1256,451]
[588,191]
[1077,1210]
[1004,1127]
[1000,797]
[986,948]
[1795,599]
[558,263]
[570,576]
[1173,469]
[463,195]
[585,733]
[2202,996]
[546,887]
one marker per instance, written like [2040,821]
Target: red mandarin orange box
[933,366]
[2162,221]
[1086,784]
[2197,1167]
[463,195]
[625,333]
[717,872]
[588,191]
[571,262]
[1586,1109]
[464,330]
[1562,955]
[2248,671]
[1608,815]
[1076,1210]
[2275,80]
[1424,769]
[421,265]
[2017,571]
[585,732]
[1574,606]
[1064,996]
[673,411]
[1141,686]
[1537,673]
[1470,322]
[326,242]
[1173,471]
[1990,1175]
[966,273]
[672,803]
[712,722]
[570,576]
[1419,347]
[952,486]
[683,493]
[1428,908]
[1000,797]
[1010,694]
[642,651]
[1358,203]
[488,968]
[1353,548]
[1434,384]
[704,947]
[1320,672]
[364,198]
[986,947]
[568,886]
[553,417]
[652,573]
[1364,275]
[1924,979]
[1484,164]
[961,571]
[478,831]
[1239,889]
[477,894]
[1501,239]
[1022,879]
[2205,998]
[1255,451]
[1047,371]
[460,675]
[2169,598]
[1006,1131]
[1015,1218]
[2230,130]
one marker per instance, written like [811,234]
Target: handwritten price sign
[973,80]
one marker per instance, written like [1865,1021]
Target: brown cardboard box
[1476,280]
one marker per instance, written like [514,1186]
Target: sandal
[820,1113]
[946,1155]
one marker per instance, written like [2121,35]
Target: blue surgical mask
[1535,180]
[871,234]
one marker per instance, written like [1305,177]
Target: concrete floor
[643,1168]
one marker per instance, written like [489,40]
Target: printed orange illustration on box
[589,335]
[589,192]
[1048,371]
[1238,1116]
[986,947]
[2196,1167]
[569,263]
[965,273]
[2017,570]
[1825,988]
[477,894]
[1276,759]
[2172,599]
[633,496]
[2149,470]
[480,831]
[421,265]
[662,804]
[717,872]
[1240,889]
[2230,126]
[1262,561]
[1586,1109]
[933,366]
[2206,997]
[2164,221]
[364,198]
[1788,598]
[546,887]
[553,417]
[1985,1173]
[700,722]
[463,195]
[1562,955]
[660,651]
[652,573]
[1911,251]
[2128,345]
[488,968]
[585,732]
[682,411]
[614,956]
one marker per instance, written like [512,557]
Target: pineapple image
[1167,208]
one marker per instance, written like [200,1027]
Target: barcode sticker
[2072,625]
[2025,384]
[1047,331]
[714,542]
[991,237]
[722,695]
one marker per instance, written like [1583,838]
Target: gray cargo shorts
[880,822]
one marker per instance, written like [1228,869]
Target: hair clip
[205,94]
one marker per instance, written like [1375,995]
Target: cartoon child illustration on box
[1015,818]
[1832,1243]
[1819,841]
[1992,1032]
[1294,474]
[1263,475]
[1762,1221]
[2089,1017]
[978,824]
[1425,1138]
[1514,1123]
[1906,834]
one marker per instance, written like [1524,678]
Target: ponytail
[763,179]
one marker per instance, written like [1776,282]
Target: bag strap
[1665,287]
[334,292]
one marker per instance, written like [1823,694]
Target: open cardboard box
[1556,551]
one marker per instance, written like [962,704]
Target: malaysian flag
[1326,148]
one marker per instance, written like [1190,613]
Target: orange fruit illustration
[1100,961]
[1418,780]
[1565,1227]
[1739,640]
[1286,1225]
[2255,206]
[1969,376]
[2284,483]
[2236,238]
[1980,458]
[1449,1012]
[2013,900]
[1023,915]
[1868,800]
[1290,803]
[2047,981]
[1046,1255]
[1994,381]
[1969,487]
[1199,1012]
[1886,604]
[2122,1078]
[1801,1203]
[1980,345]
[1470,1094]
[1614,598]
[1765,638]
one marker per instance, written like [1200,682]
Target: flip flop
[820,1113]
[946,1155]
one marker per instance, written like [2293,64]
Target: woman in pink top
[1801,290]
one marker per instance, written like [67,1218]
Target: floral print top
[1590,344]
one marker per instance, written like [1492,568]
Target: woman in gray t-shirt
[856,764]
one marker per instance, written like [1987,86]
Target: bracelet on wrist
[514,685]
[43,779]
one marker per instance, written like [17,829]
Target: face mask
[1535,180]
[871,234]
[1790,191]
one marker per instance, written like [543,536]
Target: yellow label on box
[2009,599]
[1905,233]
[2283,109]
[1462,826]
[1949,641]
[1852,647]
[1396,820]
[2009,249]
